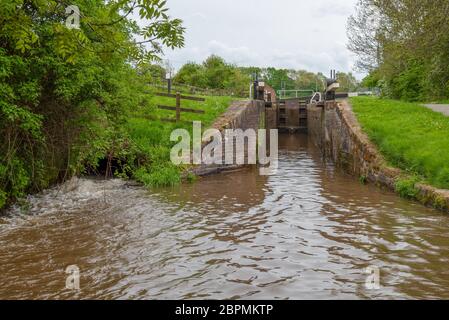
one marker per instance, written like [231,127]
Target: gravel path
[443,108]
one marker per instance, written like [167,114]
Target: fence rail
[178,108]
[169,95]
[181,109]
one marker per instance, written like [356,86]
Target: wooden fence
[178,107]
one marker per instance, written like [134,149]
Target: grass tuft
[164,176]
[406,188]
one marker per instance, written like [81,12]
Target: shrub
[161,176]
[406,188]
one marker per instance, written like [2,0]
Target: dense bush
[404,47]
[214,73]
[65,92]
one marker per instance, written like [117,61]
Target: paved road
[443,108]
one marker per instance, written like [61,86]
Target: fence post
[178,107]
[169,85]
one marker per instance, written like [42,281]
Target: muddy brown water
[308,232]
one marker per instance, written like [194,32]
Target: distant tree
[279,79]
[306,80]
[238,82]
[251,72]
[347,81]
[151,73]
[192,74]
[217,72]
[364,31]
[405,43]
[372,80]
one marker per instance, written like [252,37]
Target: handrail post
[178,106]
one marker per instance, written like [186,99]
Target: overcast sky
[298,34]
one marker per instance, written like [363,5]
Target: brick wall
[240,115]
[334,128]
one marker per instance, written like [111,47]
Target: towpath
[443,108]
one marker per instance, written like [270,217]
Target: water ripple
[308,232]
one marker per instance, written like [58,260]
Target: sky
[297,34]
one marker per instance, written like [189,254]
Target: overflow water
[308,232]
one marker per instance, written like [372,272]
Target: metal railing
[285,94]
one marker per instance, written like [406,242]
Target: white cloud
[237,55]
[344,9]
[296,34]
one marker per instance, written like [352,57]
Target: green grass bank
[151,136]
[410,137]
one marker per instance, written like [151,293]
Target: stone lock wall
[335,130]
[243,115]
[247,114]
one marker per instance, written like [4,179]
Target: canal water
[308,232]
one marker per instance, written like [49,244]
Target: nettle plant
[64,91]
